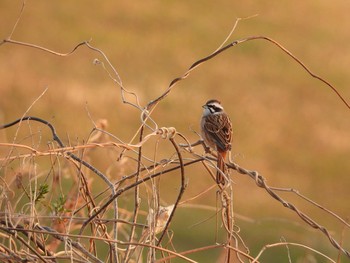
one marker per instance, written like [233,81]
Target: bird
[216,131]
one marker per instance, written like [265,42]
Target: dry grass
[57,205]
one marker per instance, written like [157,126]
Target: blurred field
[288,126]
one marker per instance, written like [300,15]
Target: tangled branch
[125,231]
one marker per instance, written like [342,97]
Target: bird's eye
[216,109]
[213,108]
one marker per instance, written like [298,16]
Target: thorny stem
[261,182]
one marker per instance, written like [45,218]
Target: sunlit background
[290,127]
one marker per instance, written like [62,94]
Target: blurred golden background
[287,125]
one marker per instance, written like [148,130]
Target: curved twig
[154,102]
[261,182]
[182,189]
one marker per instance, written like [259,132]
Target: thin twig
[136,199]
[290,244]
[261,182]
[182,189]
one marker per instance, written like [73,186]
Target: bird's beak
[204,106]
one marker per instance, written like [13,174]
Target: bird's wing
[219,128]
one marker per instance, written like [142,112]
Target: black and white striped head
[212,107]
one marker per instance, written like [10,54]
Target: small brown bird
[216,131]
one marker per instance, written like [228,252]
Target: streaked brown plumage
[216,130]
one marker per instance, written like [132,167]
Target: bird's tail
[220,179]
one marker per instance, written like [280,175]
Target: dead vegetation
[56,205]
